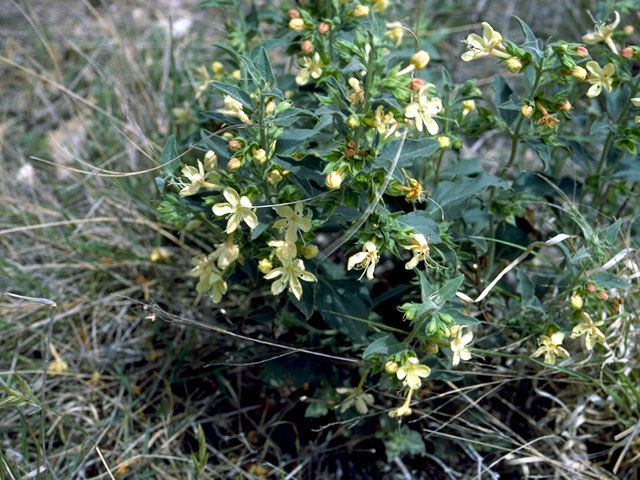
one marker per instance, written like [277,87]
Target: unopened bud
[235,145]
[431,348]
[469,104]
[578,73]
[309,251]
[514,65]
[293,13]
[626,53]
[260,155]
[628,29]
[296,24]
[333,180]
[217,68]
[159,255]
[582,52]
[576,302]
[323,28]
[564,106]
[590,287]
[444,141]
[457,144]
[274,177]
[420,59]
[265,265]
[270,106]
[416,84]
[602,295]
[307,46]
[391,367]
[234,164]
[360,11]
[237,74]
[210,160]
[353,122]
[526,110]
[227,135]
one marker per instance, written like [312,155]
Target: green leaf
[526,288]
[426,289]
[383,346]
[502,94]
[168,158]
[341,302]
[235,92]
[263,64]
[449,289]
[422,223]
[454,197]
[316,410]
[293,140]
[404,441]
[411,150]
[609,280]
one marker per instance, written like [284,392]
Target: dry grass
[87,87]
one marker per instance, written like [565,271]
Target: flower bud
[270,106]
[431,348]
[444,141]
[293,13]
[265,265]
[469,104]
[590,287]
[578,73]
[353,122]
[227,135]
[576,301]
[234,164]
[237,74]
[514,65]
[260,156]
[274,177]
[526,110]
[235,145]
[360,11]
[628,29]
[309,251]
[602,295]
[333,180]
[416,84]
[296,24]
[210,160]
[391,367]
[307,46]
[626,53]
[582,52]
[420,59]
[323,28]
[159,255]
[564,106]
[217,68]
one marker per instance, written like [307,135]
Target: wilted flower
[365,260]
[237,209]
[395,32]
[423,111]
[357,398]
[411,372]
[603,34]
[420,248]
[292,221]
[404,409]
[489,44]
[589,329]
[550,347]
[358,93]
[233,108]
[414,190]
[290,273]
[459,344]
[599,78]
[311,67]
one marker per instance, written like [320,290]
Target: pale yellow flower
[395,32]
[489,44]
[423,110]
[358,93]
[365,260]
[468,106]
[384,123]
[198,179]
[599,78]
[233,108]
[404,409]
[226,253]
[589,329]
[292,221]
[420,248]
[380,5]
[357,398]
[290,273]
[237,209]
[603,34]
[459,344]
[360,11]
[635,102]
[551,346]
[418,61]
[311,67]
[411,372]
[285,251]
[211,280]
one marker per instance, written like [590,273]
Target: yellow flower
[420,248]
[489,44]
[365,260]
[311,67]
[423,110]
[599,78]
[291,272]
[590,330]
[233,108]
[226,253]
[551,346]
[285,251]
[395,32]
[414,190]
[333,180]
[603,34]
[358,93]
[468,106]
[384,123]
[210,160]
[237,208]
[198,179]
[360,11]
[411,372]
[292,221]
[357,398]
[211,280]
[404,409]
[296,24]
[444,141]
[419,60]
[265,265]
[380,5]
[203,73]
[459,344]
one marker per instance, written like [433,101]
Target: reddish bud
[323,28]
[582,52]
[590,287]
[416,84]
[293,13]
[307,46]
[626,52]
[602,295]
